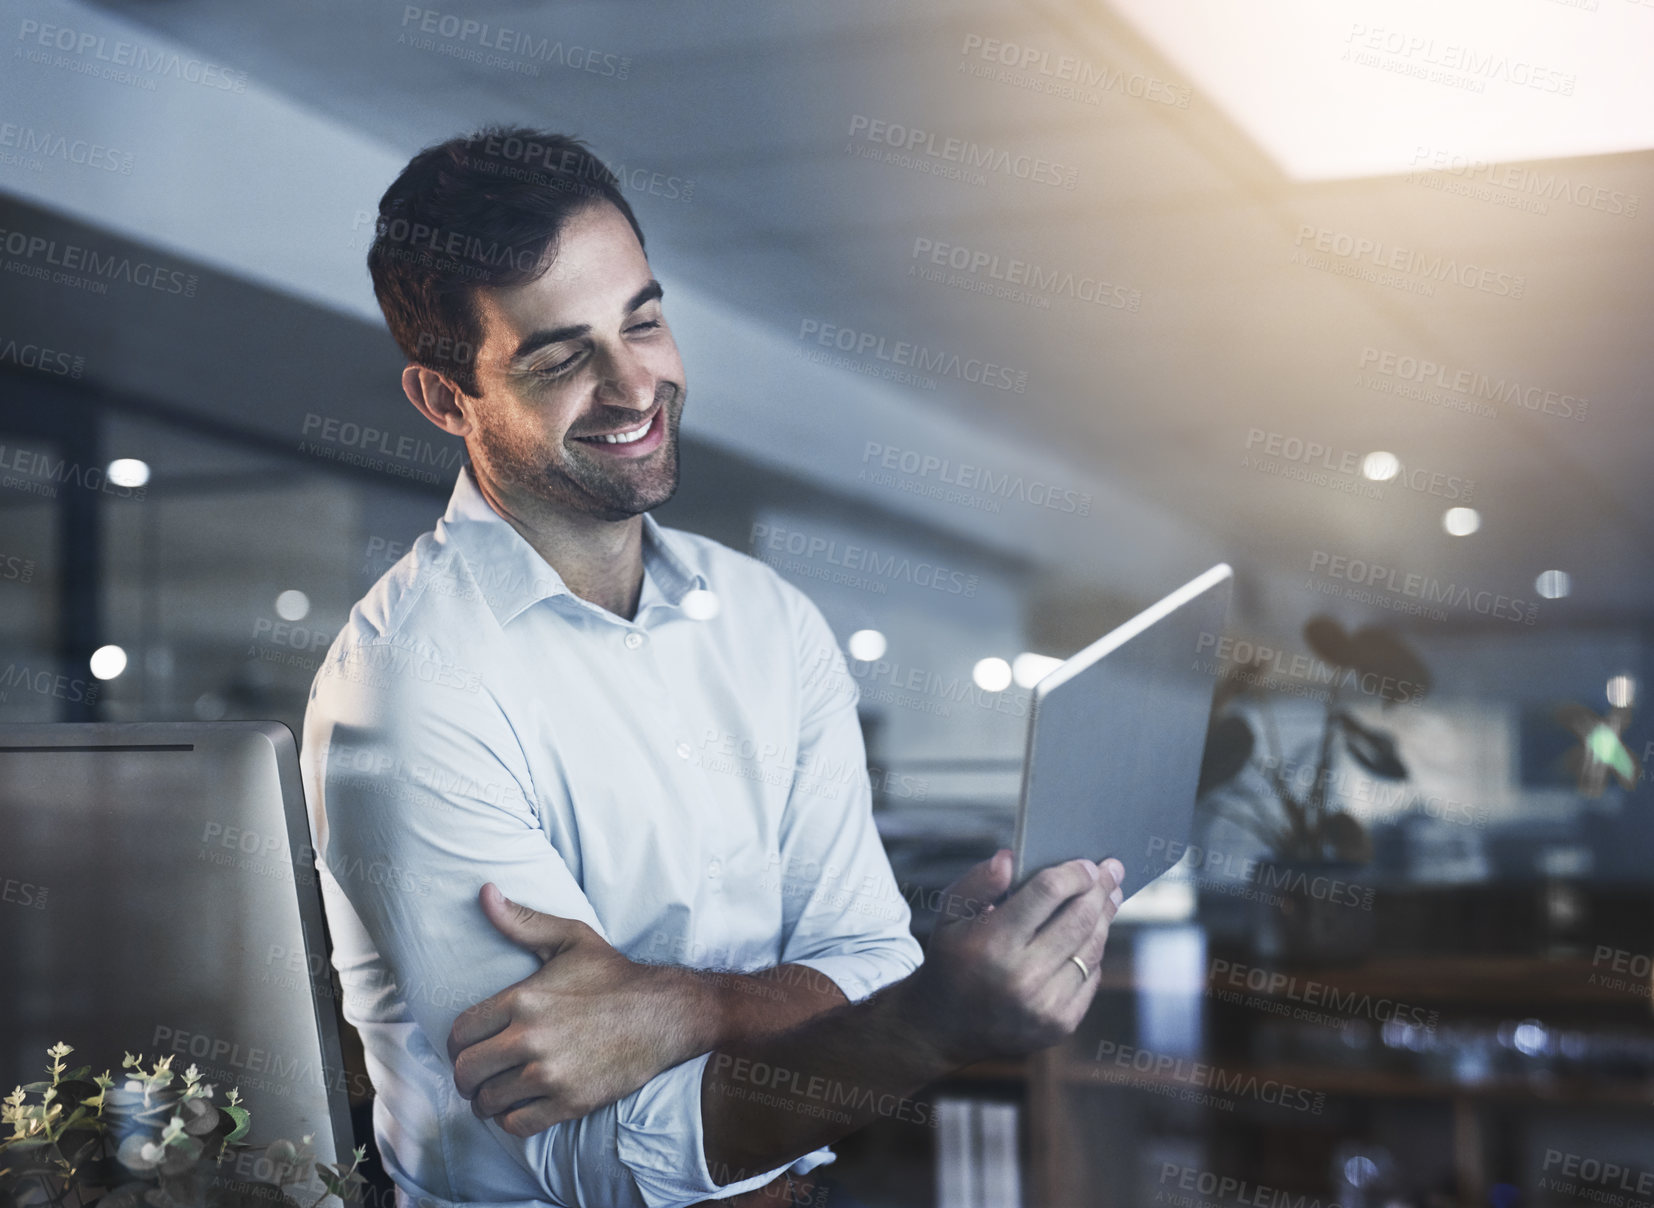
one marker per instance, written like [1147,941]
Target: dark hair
[478,212]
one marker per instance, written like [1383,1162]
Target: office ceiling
[1235,349]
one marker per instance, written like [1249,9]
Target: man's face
[581,381]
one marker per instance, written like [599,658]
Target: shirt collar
[512,576]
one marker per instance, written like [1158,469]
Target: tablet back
[1115,739]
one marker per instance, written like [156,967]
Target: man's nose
[627,381]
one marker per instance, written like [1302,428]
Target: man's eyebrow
[556,335]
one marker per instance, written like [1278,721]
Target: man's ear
[437,399]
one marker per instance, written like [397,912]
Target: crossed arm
[591,1026]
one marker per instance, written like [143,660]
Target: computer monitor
[158,896]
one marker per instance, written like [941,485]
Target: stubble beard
[590,483]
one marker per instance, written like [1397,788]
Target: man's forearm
[712,1010]
[767,1100]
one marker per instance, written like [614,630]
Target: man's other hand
[1000,980]
[589,1028]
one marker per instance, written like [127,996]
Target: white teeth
[626,438]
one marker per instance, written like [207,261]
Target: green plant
[144,1143]
[1298,821]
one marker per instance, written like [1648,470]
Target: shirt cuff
[858,976]
[662,1140]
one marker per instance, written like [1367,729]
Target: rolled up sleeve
[419,794]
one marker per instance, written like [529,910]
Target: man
[700,979]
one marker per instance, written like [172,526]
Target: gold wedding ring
[1085,974]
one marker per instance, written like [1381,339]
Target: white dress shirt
[691,783]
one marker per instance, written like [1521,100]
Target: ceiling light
[128,472]
[866,645]
[1333,91]
[992,675]
[1553,584]
[1029,669]
[108,662]
[1380,466]
[292,605]
[1461,522]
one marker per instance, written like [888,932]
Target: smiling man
[694,979]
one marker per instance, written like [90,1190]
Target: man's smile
[636,441]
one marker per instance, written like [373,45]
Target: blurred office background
[1000,321]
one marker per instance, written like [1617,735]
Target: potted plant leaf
[1305,897]
[151,1139]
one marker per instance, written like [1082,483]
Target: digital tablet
[1115,738]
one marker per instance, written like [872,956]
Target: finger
[1029,907]
[543,934]
[480,1062]
[1091,952]
[980,887]
[505,1090]
[477,1023]
[1068,930]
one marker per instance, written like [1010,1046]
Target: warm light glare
[292,605]
[1028,669]
[1467,91]
[108,662]
[992,675]
[1553,584]
[1380,466]
[1461,522]
[128,472]
[1622,691]
[866,645]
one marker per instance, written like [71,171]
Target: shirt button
[684,750]
[634,640]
